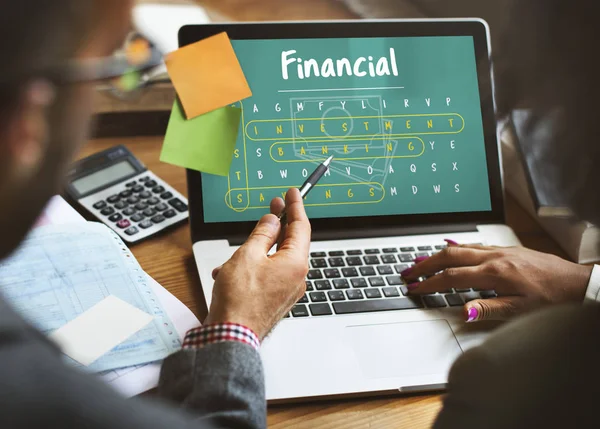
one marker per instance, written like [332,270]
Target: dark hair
[546,62]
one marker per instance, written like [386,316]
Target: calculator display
[103,177]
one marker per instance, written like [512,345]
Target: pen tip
[328,161]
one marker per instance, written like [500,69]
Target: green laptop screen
[401,116]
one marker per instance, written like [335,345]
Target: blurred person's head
[547,62]
[42,122]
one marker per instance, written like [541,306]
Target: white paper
[100,329]
[58,212]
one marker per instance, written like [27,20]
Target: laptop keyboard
[368,280]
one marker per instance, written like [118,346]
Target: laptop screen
[400,115]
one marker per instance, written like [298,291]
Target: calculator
[117,189]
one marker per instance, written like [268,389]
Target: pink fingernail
[406,272]
[413,286]
[472,313]
[451,242]
[420,259]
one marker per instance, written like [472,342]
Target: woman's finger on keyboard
[495,309]
[451,278]
[448,258]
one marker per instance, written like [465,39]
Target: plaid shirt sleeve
[218,333]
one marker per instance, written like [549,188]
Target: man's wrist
[218,333]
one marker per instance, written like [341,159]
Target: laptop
[406,109]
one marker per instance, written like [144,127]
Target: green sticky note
[204,143]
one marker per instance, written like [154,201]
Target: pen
[312,180]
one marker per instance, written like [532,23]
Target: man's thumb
[494,309]
[264,235]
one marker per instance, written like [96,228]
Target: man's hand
[257,290]
[524,279]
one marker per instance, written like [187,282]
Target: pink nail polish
[413,286]
[451,242]
[472,314]
[406,272]
[420,259]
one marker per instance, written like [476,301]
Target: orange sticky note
[207,75]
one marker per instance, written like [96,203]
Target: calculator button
[169,213]
[116,217]
[131,231]
[158,190]
[129,211]
[144,179]
[133,200]
[130,184]
[107,211]
[160,207]
[138,217]
[146,224]
[149,212]
[166,195]
[141,206]
[123,223]
[100,205]
[137,188]
[113,199]
[145,194]
[121,205]
[158,218]
[178,205]
[152,201]
[150,184]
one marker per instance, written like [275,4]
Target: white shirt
[592,293]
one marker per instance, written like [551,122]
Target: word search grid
[401,116]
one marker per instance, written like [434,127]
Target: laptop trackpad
[404,349]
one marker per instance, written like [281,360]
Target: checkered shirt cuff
[218,333]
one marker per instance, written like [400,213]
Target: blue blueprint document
[60,271]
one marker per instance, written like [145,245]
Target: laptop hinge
[378,232]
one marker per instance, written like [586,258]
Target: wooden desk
[169,260]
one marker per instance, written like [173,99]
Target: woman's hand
[523,279]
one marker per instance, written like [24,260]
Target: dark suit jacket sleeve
[219,386]
[540,371]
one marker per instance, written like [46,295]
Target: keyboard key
[166,195]
[318,254]
[371,260]
[309,286]
[141,206]
[349,272]
[170,213]
[486,294]
[372,293]
[406,257]
[371,251]
[132,230]
[303,300]
[354,252]
[424,248]
[178,205]
[323,285]
[145,194]
[390,250]
[150,184]
[125,194]
[348,307]
[121,205]
[130,184]
[107,211]
[149,212]
[123,223]
[376,281]
[300,311]
[470,296]
[152,201]
[385,269]
[388,259]
[367,271]
[113,199]
[403,289]
[158,190]
[137,188]
[440,247]
[318,297]
[160,207]
[421,255]
[354,294]
[138,217]
[314,274]
[129,211]
[358,282]
[394,280]
[400,267]
[133,200]
[463,290]
[454,300]
[158,218]
[320,309]
[336,295]
[336,253]
[332,273]
[146,224]
[115,218]
[336,262]
[143,179]
[434,301]
[354,261]
[341,284]
[318,263]
[390,292]
[407,249]
[100,205]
